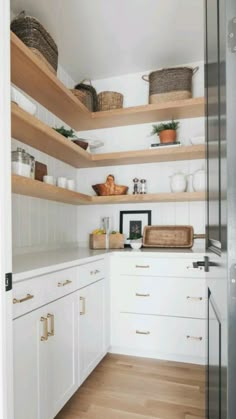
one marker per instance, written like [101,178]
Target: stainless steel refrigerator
[220,263]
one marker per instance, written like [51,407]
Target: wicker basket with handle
[170,84]
[86,93]
[110,100]
[35,36]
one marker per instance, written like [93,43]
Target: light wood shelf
[35,133]
[29,187]
[32,131]
[28,73]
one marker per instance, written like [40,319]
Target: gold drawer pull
[142,295]
[194,298]
[44,320]
[139,332]
[194,338]
[22,300]
[83,311]
[51,318]
[142,266]
[62,284]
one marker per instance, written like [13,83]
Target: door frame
[6,347]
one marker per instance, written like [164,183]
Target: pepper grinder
[136,181]
[143,186]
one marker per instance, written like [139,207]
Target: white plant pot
[136,245]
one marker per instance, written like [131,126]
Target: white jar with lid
[178,182]
[20,162]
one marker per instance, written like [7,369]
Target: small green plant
[173,125]
[135,236]
[68,133]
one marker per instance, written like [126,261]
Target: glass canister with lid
[20,162]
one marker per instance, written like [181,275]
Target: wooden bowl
[101,190]
[81,143]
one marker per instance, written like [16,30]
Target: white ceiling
[103,38]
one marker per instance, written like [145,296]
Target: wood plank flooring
[124,387]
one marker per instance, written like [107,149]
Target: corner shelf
[35,133]
[29,187]
[32,76]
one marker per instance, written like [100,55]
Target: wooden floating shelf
[32,76]
[29,187]
[35,133]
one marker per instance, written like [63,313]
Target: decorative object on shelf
[20,162]
[197,140]
[132,224]
[110,188]
[32,167]
[61,182]
[70,133]
[136,186]
[98,240]
[170,236]
[161,145]
[70,184]
[110,100]
[170,84]
[143,186]
[94,144]
[49,180]
[166,131]
[22,101]
[87,94]
[199,180]
[36,37]
[178,182]
[41,170]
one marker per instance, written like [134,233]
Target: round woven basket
[110,100]
[85,97]
[170,84]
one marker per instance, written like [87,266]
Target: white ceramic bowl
[136,245]
[22,101]
[197,140]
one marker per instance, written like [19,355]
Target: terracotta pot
[167,136]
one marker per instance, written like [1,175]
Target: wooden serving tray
[168,236]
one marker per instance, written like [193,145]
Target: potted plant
[70,133]
[166,131]
[135,241]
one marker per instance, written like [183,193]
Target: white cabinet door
[91,327]
[30,354]
[62,360]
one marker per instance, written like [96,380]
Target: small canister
[32,167]
[20,162]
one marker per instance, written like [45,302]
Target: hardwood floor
[124,387]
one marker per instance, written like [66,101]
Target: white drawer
[183,297]
[160,337]
[160,267]
[91,272]
[33,293]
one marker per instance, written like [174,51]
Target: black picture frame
[127,214]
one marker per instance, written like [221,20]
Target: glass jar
[32,167]
[143,186]
[135,190]
[20,162]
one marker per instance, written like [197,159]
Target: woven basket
[87,94]
[110,100]
[35,36]
[170,84]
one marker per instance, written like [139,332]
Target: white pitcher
[199,180]
[178,182]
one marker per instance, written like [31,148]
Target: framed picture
[132,223]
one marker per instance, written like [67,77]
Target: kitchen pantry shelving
[29,187]
[29,74]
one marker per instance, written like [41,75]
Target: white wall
[157,174]
[38,223]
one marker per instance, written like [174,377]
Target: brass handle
[52,329]
[62,284]
[139,332]
[142,266]
[22,300]
[194,298]
[44,320]
[83,311]
[142,295]
[194,338]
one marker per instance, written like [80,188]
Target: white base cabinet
[91,327]
[45,355]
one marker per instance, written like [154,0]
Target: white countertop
[28,265]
